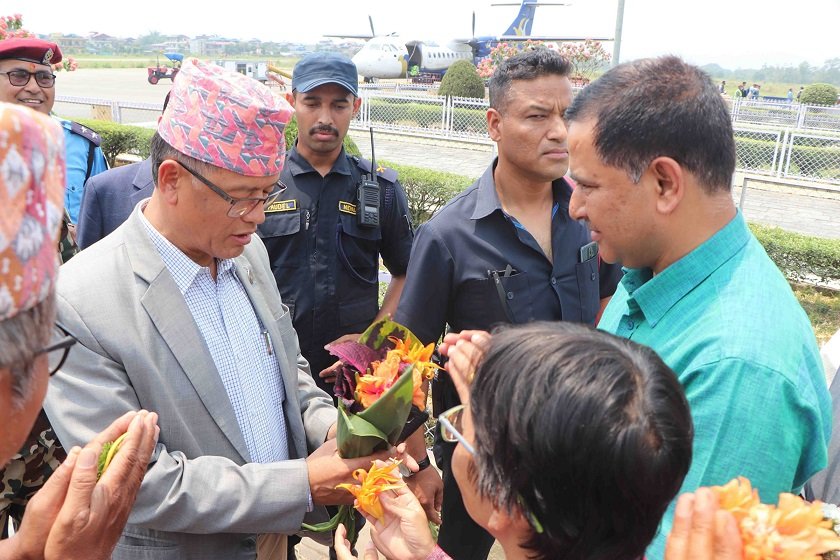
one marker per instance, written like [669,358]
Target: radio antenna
[372,158]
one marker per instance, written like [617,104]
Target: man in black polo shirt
[505,250]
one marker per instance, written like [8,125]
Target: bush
[428,190]
[801,257]
[120,138]
[462,80]
[819,94]
[291,137]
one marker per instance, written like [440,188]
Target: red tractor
[159,72]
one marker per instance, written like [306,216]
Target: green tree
[819,94]
[462,80]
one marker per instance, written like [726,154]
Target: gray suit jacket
[139,347]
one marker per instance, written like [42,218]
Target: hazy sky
[733,33]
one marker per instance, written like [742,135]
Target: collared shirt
[326,265]
[473,266]
[238,345]
[726,321]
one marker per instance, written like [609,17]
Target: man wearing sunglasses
[73,515]
[27,78]
[177,309]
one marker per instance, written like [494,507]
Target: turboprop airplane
[391,56]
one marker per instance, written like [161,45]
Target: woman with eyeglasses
[571,444]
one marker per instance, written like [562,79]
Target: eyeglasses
[19,78]
[451,426]
[239,206]
[57,353]
[451,422]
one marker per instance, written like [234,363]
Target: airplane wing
[365,37]
[548,38]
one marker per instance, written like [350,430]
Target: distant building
[70,44]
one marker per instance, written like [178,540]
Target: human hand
[328,374]
[74,517]
[465,350]
[404,531]
[94,514]
[327,469]
[342,546]
[702,531]
[427,486]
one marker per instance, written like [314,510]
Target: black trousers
[460,537]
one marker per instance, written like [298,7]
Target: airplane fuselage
[391,57]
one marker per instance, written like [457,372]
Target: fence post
[116,110]
[445,120]
[800,118]
[788,145]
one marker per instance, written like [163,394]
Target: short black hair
[526,65]
[656,107]
[593,432]
[160,150]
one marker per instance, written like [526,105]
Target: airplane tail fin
[523,21]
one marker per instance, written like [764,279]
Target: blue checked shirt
[236,341]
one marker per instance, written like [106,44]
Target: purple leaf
[355,355]
[345,385]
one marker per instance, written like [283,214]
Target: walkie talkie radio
[367,212]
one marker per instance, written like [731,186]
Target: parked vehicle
[250,68]
[159,72]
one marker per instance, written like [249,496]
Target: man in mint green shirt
[652,153]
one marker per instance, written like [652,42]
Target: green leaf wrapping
[380,425]
[376,335]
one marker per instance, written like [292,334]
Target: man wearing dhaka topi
[177,311]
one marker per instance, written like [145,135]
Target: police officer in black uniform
[327,231]
[324,248]
[506,249]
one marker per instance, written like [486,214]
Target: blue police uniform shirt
[473,267]
[325,264]
[78,143]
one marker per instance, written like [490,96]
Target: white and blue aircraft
[391,56]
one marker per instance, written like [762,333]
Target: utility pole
[619,22]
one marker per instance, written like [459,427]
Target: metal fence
[795,154]
[425,115]
[787,115]
[775,139]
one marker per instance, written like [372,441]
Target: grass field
[823,308]
[146,60]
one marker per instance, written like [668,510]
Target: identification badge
[589,251]
[281,206]
[346,207]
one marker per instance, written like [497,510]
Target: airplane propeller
[372,32]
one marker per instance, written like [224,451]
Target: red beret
[31,50]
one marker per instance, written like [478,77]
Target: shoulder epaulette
[385,172]
[83,131]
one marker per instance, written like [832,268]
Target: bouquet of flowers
[792,530]
[380,403]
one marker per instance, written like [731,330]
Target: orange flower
[737,496]
[793,530]
[383,374]
[412,352]
[374,482]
